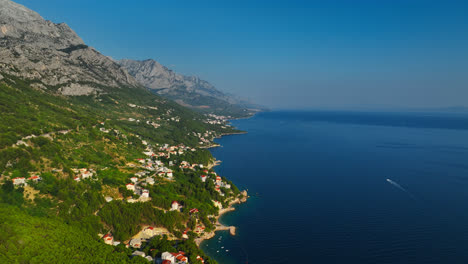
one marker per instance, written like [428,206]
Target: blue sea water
[320,193]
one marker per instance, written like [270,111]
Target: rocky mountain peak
[11,11]
[37,49]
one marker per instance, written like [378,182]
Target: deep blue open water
[320,194]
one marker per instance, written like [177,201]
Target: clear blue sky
[290,54]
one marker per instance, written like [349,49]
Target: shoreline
[230,208]
[219,226]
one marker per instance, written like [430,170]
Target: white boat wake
[401,188]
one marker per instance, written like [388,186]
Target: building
[166,256]
[134,179]
[86,174]
[193,210]
[180,257]
[218,204]
[201,259]
[203,178]
[35,178]
[130,186]
[149,231]
[135,243]
[145,193]
[150,181]
[19,181]
[175,206]
[139,253]
[108,239]
[169,174]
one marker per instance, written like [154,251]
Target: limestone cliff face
[190,91]
[36,49]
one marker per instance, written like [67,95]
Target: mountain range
[54,57]
[188,91]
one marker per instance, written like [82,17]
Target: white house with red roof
[218,204]
[135,243]
[203,178]
[144,193]
[130,186]
[166,256]
[149,231]
[108,239]
[175,258]
[200,259]
[19,181]
[175,206]
[35,178]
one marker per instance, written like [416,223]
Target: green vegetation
[58,219]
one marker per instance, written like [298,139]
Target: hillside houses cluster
[22,181]
[136,187]
[219,183]
[83,173]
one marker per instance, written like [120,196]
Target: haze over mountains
[54,57]
[189,91]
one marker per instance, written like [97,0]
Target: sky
[348,54]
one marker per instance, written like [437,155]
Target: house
[35,178]
[169,174]
[200,229]
[150,181]
[218,180]
[135,243]
[134,179]
[149,231]
[19,181]
[166,256]
[86,174]
[139,253]
[130,186]
[140,174]
[180,257]
[218,204]
[108,199]
[185,235]
[201,259]
[203,178]
[77,179]
[175,206]
[193,210]
[108,239]
[145,193]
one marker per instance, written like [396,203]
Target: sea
[346,187]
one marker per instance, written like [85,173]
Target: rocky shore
[221,227]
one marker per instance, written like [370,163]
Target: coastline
[221,227]
[237,200]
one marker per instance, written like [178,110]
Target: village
[157,164]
